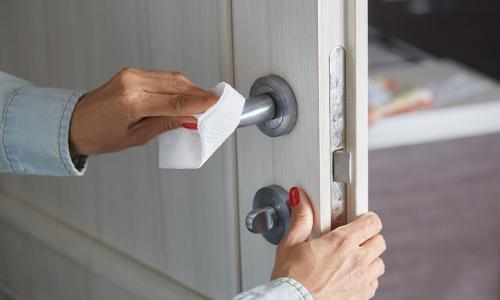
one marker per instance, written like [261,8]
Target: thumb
[302,218]
[151,127]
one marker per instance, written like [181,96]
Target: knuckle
[126,75]
[342,240]
[178,75]
[348,240]
[345,249]
[179,84]
[373,289]
[366,260]
[179,103]
[131,105]
[383,244]
[374,220]
[300,214]
[359,260]
[128,97]
[339,235]
[379,266]
[179,81]
[382,267]
[168,124]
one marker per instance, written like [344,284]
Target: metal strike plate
[342,169]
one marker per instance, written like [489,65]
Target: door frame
[294,39]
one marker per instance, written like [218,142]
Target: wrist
[75,130]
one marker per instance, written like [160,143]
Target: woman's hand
[343,264]
[134,107]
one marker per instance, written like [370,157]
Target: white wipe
[190,149]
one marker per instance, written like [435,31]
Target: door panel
[180,223]
[294,39]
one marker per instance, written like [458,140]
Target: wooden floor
[440,204]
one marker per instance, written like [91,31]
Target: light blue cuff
[281,288]
[36,131]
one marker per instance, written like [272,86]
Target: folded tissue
[188,149]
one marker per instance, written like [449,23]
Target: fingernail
[338,222]
[190,126]
[294,197]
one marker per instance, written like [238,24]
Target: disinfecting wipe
[190,149]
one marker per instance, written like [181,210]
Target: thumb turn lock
[271,213]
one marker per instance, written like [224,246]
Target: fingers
[160,81]
[372,289]
[362,229]
[148,93]
[376,268]
[149,128]
[373,248]
[302,218]
[173,105]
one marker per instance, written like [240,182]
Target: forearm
[34,129]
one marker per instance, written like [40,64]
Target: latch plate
[342,166]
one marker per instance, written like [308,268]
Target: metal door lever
[271,106]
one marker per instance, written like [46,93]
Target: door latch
[342,171]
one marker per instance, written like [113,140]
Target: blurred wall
[464,30]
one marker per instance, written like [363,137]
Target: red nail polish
[338,222]
[294,197]
[190,126]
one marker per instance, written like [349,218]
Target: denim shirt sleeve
[34,129]
[281,288]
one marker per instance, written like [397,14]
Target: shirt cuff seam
[303,292]
[63,135]
[4,125]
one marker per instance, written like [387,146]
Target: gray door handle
[271,213]
[272,106]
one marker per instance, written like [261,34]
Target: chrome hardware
[261,220]
[272,106]
[271,213]
[342,166]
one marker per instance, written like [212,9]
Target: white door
[128,228]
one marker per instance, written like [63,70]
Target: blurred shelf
[469,109]
[436,125]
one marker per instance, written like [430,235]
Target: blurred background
[435,145]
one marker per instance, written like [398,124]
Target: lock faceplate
[271,213]
[340,158]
